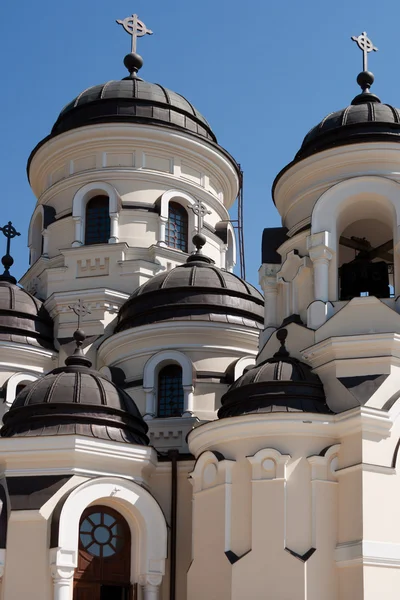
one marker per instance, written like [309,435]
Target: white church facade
[166,434]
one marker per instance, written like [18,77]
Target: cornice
[368,422]
[75,455]
[126,344]
[97,138]
[376,346]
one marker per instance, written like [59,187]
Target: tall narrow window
[170,392]
[176,235]
[104,560]
[97,221]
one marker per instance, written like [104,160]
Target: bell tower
[304,456]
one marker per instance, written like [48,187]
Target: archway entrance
[104,557]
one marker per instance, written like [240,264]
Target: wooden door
[104,556]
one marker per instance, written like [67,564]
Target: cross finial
[135,27]
[365,44]
[200,210]
[80,309]
[9,232]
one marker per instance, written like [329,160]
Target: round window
[101,534]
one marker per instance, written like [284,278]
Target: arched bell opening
[365,257]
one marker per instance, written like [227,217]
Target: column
[45,235]
[63,580]
[150,403]
[162,232]
[188,401]
[78,232]
[269,284]
[114,229]
[320,254]
[151,586]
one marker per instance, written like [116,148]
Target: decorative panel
[157,163]
[84,164]
[190,173]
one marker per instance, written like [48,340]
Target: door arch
[104,556]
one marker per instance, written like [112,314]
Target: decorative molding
[324,466]
[138,506]
[372,423]
[368,553]
[268,464]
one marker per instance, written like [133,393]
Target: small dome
[279,384]
[75,399]
[23,318]
[132,100]
[196,290]
[358,123]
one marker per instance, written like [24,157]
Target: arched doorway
[104,556]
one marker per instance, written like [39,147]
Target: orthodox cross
[365,44]
[135,28]
[81,310]
[10,232]
[201,211]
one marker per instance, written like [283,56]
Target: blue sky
[262,72]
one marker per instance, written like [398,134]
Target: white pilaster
[114,228]
[151,586]
[150,403]
[45,234]
[78,227]
[162,231]
[188,401]
[320,254]
[63,581]
[268,281]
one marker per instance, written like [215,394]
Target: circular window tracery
[101,534]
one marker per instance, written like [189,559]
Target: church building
[166,434]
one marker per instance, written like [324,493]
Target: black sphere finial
[281,335]
[133,62]
[78,359]
[199,240]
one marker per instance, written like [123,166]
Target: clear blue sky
[262,72]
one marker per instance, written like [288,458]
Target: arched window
[170,392]
[104,561]
[176,234]
[97,221]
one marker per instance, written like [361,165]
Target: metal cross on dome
[81,310]
[9,232]
[201,211]
[365,44]
[135,27]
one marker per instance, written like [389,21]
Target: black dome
[75,399]
[23,318]
[132,100]
[364,122]
[279,384]
[196,290]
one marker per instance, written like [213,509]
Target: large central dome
[132,100]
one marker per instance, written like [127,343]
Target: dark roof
[280,384]
[23,318]
[366,119]
[75,399]
[194,290]
[132,100]
[367,122]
